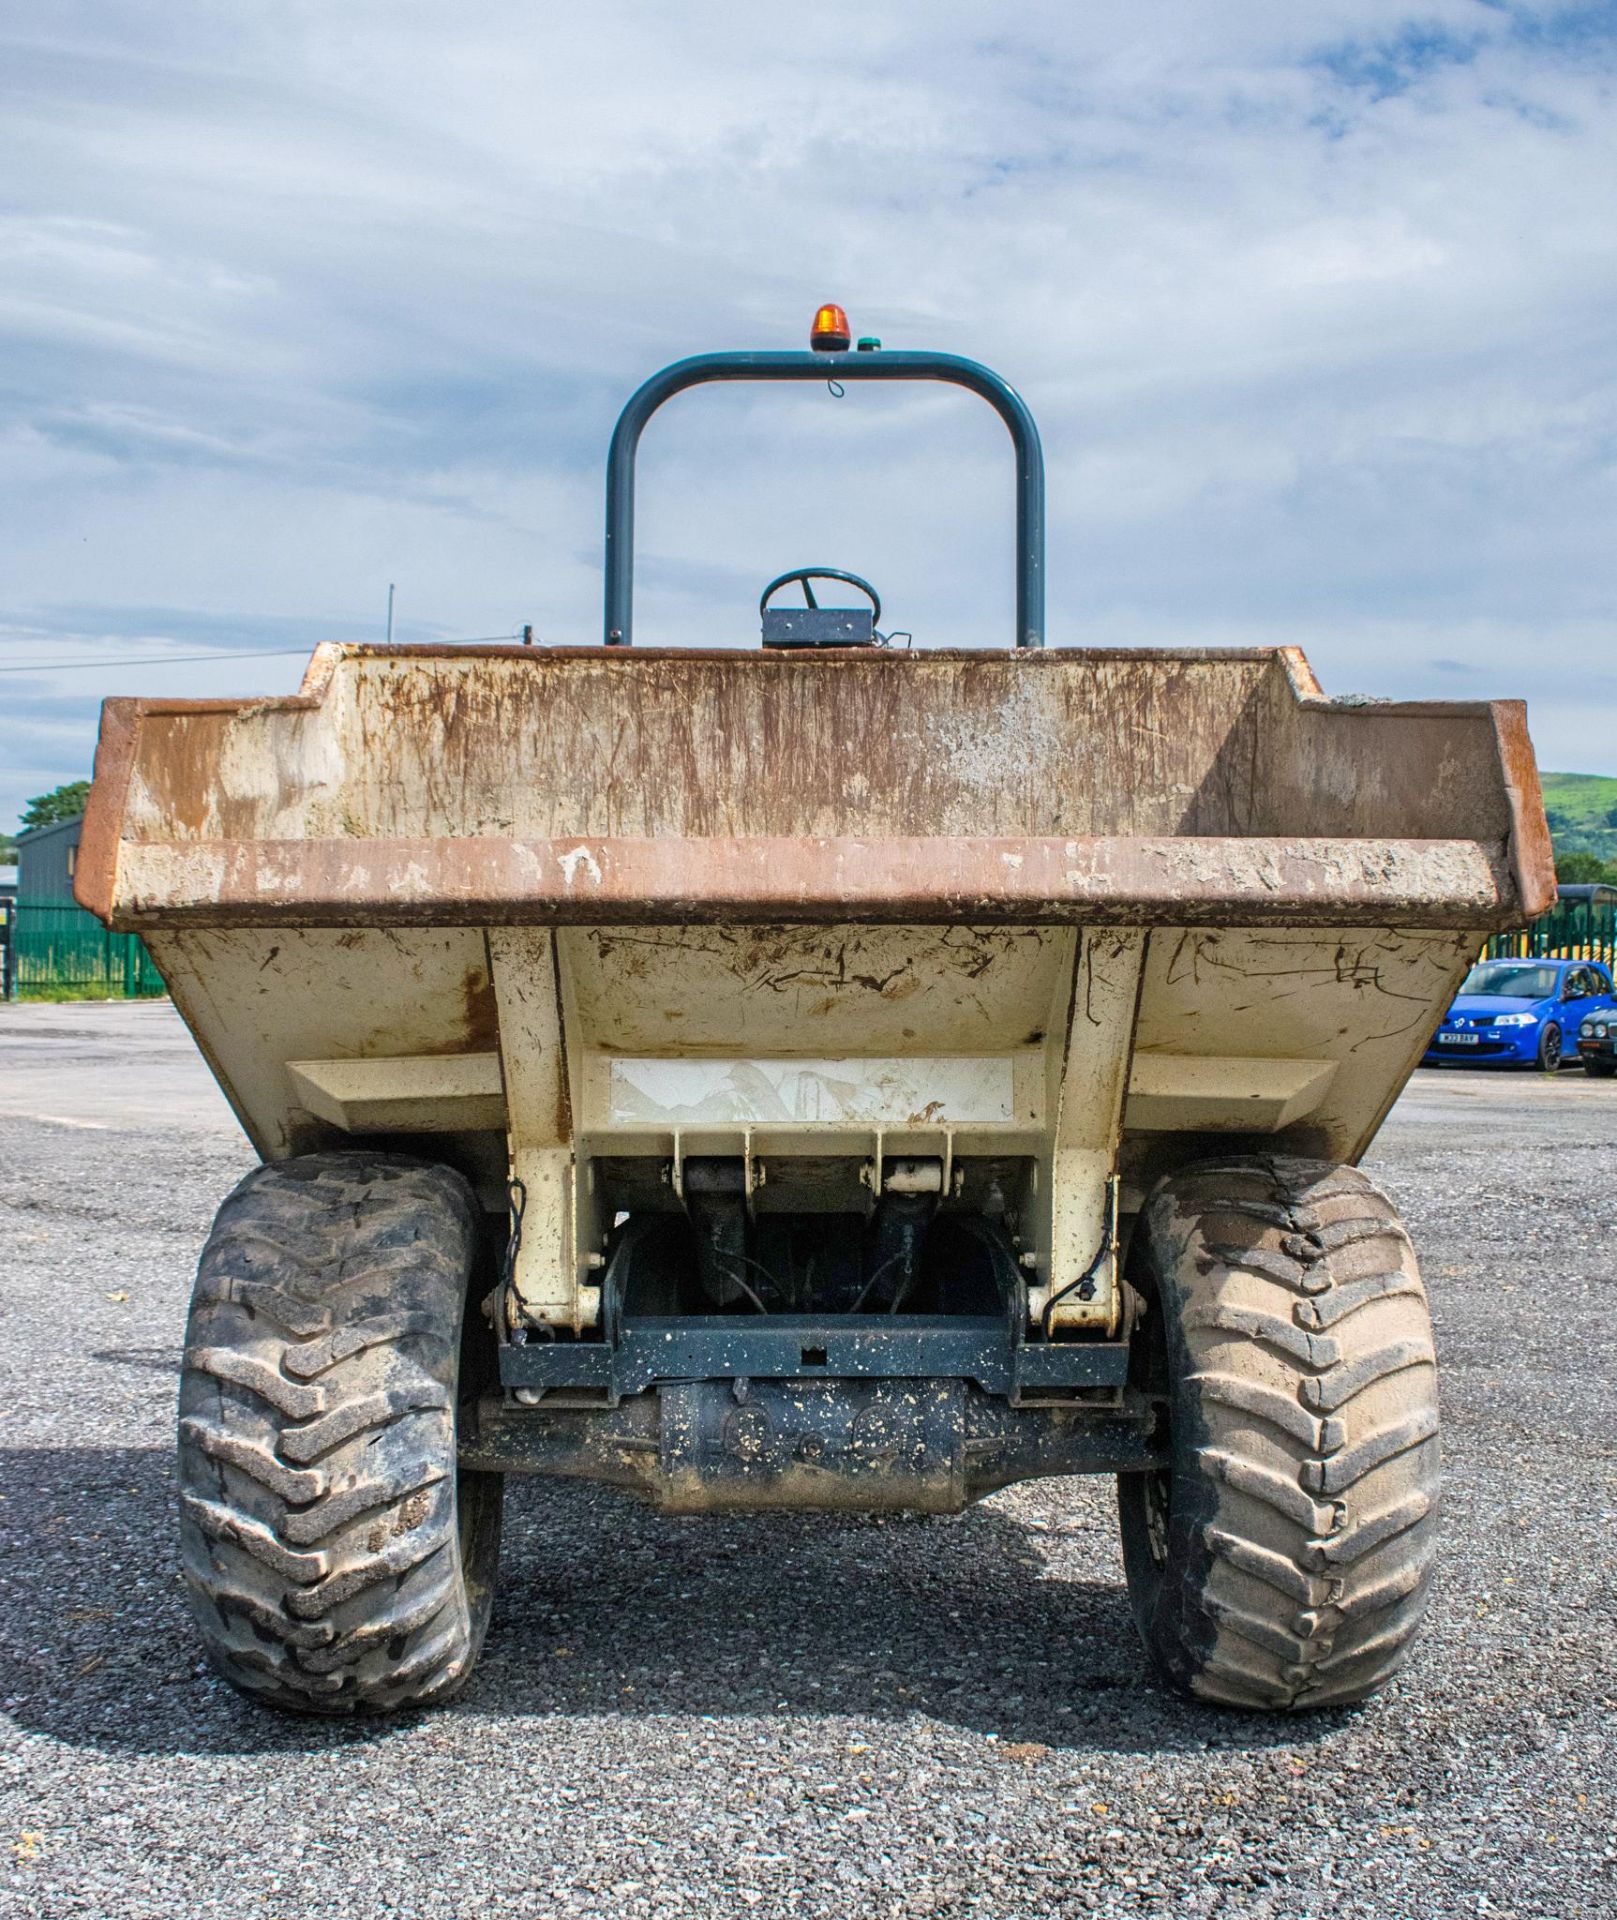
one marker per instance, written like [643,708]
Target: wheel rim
[1550,1048]
[1158,1491]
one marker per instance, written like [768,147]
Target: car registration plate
[1459,1039]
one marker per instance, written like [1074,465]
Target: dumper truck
[817,1074]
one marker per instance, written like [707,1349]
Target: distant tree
[8,850]
[61,803]
[1581,869]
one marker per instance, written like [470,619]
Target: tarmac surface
[820,1716]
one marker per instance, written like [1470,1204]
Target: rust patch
[480,1014]
[1533,855]
[96,875]
[178,766]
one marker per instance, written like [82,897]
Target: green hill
[1582,810]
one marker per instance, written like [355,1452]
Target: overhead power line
[191,659]
[152,660]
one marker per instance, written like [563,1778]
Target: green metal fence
[57,944]
[1575,929]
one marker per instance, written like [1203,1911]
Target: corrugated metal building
[56,946]
[46,858]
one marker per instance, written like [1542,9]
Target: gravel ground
[813,1716]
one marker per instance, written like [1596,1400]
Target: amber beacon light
[830,334]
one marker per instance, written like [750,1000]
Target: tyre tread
[1302,1518]
[320,1511]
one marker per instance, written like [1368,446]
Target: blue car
[1523,1013]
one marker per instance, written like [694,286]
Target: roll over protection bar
[702,368]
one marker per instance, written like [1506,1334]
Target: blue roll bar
[870,365]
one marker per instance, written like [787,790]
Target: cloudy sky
[1315,305]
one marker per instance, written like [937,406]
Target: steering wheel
[806,574]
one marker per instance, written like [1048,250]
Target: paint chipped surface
[574,859]
[918,1091]
[504,784]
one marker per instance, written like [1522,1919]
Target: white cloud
[1313,305]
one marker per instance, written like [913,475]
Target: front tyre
[1282,1560]
[336,1559]
[1550,1048]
